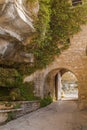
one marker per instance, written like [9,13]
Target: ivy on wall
[66,20]
[57,21]
[10,77]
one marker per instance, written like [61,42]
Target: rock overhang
[16,25]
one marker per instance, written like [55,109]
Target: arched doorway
[66,86]
[62,85]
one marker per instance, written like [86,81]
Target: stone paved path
[62,115]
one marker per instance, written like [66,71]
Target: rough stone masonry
[73,59]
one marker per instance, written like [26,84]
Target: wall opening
[62,84]
[66,86]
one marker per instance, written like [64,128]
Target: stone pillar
[39,84]
[59,86]
[83,94]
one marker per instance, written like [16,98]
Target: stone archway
[53,84]
[73,59]
[66,86]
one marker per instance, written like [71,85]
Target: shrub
[27,92]
[11,116]
[46,101]
[15,94]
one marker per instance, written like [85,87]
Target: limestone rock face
[16,24]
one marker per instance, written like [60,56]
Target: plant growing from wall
[10,77]
[46,101]
[27,92]
[66,20]
[57,22]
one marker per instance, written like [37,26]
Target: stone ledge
[11,110]
[25,107]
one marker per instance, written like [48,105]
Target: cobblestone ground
[63,115]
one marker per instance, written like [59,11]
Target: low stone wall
[25,107]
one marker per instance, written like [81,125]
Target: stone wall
[73,59]
[25,107]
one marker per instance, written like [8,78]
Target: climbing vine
[57,21]
[66,20]
[42,46]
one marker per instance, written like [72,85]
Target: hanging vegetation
[57,21]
